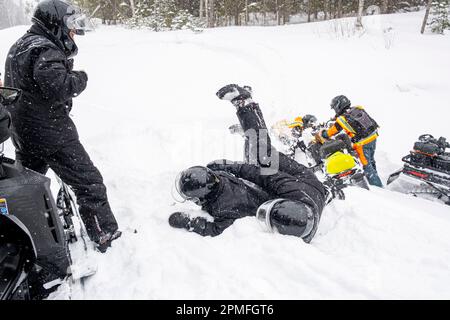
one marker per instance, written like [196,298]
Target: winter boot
[238,96]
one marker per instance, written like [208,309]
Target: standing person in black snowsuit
[284,194]
[26,196]
[41,65]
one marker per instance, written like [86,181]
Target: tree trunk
[200,10]
[384,6]
[246,12]
[309,10]
[133,8]
[427,13]
[264,11]
[339,10]
[211,17]
[360,14]
[277,12]
[207,10]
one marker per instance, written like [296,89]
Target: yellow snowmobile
[334,159]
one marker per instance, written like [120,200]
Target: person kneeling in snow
[289,200]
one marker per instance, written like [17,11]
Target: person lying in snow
[282,193]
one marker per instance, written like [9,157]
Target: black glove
[83,75]
[180,220]
[233,92]
[70,64]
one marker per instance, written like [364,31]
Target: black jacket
[289,184]
[306,188]
[233,199]
[357,122]
[37,64]
[243,189]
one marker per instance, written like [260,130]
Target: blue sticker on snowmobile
[3,207]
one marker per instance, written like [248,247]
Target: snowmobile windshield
[78,21]
[9,95]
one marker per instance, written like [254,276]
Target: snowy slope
[150,110]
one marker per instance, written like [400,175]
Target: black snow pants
[258,148]
[73,165]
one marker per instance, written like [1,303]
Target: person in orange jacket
[362,130]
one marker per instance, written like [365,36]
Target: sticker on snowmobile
[4,207]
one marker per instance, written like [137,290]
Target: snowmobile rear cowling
[331,147]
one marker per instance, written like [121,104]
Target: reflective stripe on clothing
[367,140]
[346,126]
[332,131]
[360,151]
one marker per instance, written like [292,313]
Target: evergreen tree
[160,15]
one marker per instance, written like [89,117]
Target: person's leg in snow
[73,165]
[258,143]
[371,168]
[260,150]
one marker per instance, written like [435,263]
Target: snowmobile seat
[331,147]
[427,148]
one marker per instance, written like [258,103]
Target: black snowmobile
[34,232]
[426,170]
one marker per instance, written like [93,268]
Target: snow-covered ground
[150,110]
